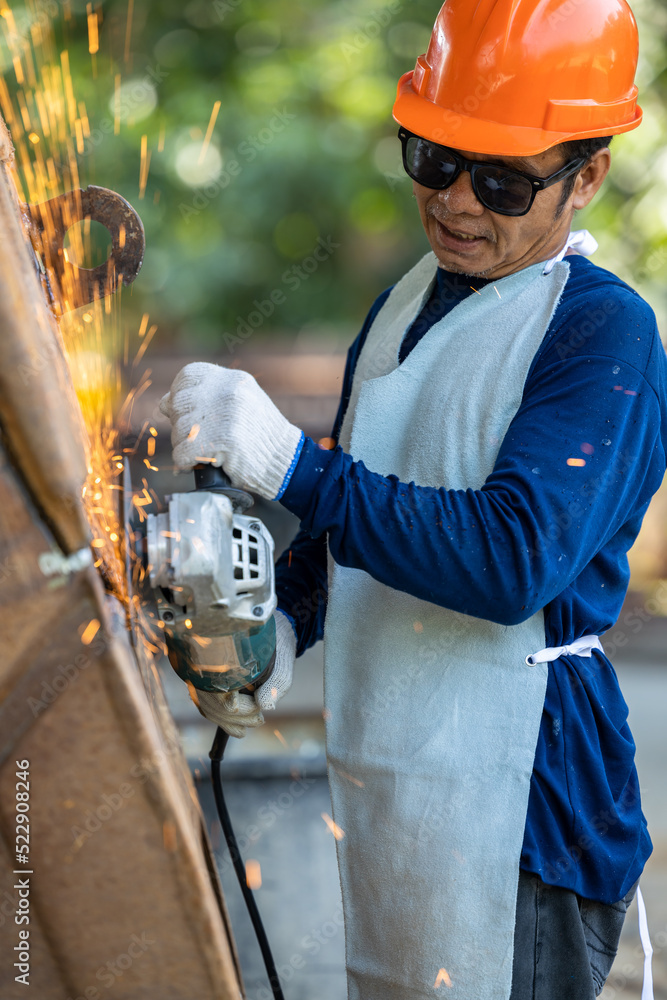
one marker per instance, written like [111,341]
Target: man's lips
[458,240]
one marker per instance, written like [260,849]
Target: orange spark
[169,835]
[201,640]
[93,33]
[253,874]
[90,631]
[442,977]
[335,829]
[209,131]
[142,350]
[144,167]
[344,774]
[69,90]
[128,29]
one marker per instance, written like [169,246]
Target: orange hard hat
[515,77]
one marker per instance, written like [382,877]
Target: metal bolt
[168,616]
[255,526]
[258,611]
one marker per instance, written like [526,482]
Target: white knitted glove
[236,712]
[220,415]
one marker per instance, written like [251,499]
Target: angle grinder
[211,576]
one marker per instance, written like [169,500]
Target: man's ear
[590,178]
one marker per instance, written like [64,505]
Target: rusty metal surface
[68,286]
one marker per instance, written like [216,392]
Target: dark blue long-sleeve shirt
[549,529]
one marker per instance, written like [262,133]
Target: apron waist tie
[584,647]
[647,988]
[580,647]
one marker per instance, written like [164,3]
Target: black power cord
[216,754]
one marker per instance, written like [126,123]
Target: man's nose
[459,198]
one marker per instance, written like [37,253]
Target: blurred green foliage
[304,149]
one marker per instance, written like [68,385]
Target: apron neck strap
[579,240]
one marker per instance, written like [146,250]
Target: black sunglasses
[506,192]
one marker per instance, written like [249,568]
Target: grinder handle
[211,477]
[214,479]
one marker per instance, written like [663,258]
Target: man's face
[503,244]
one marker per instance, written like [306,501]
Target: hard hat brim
[449,127]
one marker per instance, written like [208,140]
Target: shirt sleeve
[301,570]
[582,452]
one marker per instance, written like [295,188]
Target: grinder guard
[230,663]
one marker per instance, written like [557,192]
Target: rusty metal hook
[67,285]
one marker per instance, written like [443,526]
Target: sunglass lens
[502,191]
[428,164]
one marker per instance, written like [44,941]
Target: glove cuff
[293,463]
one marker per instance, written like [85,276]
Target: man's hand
[220,415]
[236,712]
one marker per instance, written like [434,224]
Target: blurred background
[256,141]
[249,133]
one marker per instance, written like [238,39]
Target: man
[501,431]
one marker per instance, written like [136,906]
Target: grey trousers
[564,946]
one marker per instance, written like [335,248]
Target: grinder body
[211,572]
